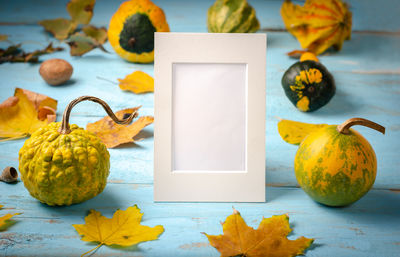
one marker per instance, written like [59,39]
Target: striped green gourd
[232,16]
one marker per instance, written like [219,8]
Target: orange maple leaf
[268,240]
[113,134]
[25,112]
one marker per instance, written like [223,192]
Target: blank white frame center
[209,126]
[209,99]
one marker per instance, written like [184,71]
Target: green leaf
[81,11]
[99,34]
[60,28]
[80,44]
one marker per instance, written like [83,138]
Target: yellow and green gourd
[64,165]
[132,27]
[232,16]
[336,165]
[308,84]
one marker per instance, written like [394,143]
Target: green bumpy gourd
[64,169]
[232,16]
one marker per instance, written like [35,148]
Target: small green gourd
[232,16]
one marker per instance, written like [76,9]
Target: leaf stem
[92,249]
[108,80]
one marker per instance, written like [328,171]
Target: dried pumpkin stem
[64,128]
[344,127]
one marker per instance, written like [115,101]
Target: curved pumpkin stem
[344,127]
[64,128]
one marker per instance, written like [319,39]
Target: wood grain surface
[367,74]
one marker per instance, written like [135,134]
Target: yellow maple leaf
[268,240]
[137,82]
[25,112]
[318,24]
[5,218]
[122,229]
[294,132]
[113,134]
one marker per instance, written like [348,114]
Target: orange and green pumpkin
[336,165]
[308,85]
[132,27]
[232,16]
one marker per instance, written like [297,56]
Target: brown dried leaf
[80,44]
[60,28]
[268,240]
[22,114]
[48,50]
[14,53]
[99,34]
[113,134]
[81,11]
[137,82]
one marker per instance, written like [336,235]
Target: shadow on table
[272,194]
[341,103]
[377,207]
[107,200]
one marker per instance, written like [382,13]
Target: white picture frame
[209,108]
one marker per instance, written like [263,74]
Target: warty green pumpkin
[336,165]
[62,164]
[232,16]
[308,85]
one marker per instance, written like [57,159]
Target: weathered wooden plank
[367,14]
[367,228]
[374,96]
[367,73]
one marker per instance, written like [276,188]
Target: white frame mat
[234,168]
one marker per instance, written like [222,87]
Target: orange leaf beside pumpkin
[25,112]
[113,134]
[268,240]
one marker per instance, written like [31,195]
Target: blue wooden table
[367,73]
